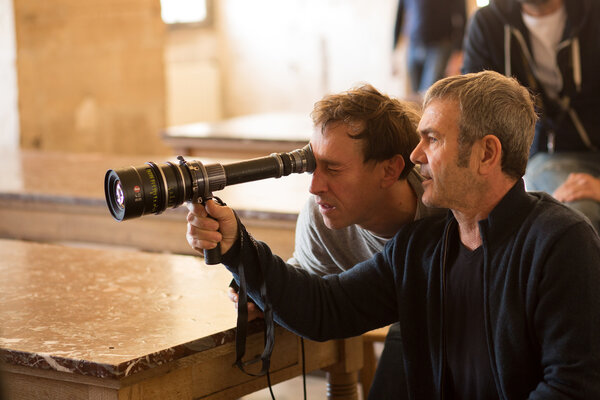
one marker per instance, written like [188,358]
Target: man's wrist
[233,253]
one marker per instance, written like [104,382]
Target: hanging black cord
[303,367]
[269,331]
[269,383]
[242,320]
[268,371]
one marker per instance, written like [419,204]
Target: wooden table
[255,134]
[59,197]
[114,324]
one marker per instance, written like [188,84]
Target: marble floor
[316,388]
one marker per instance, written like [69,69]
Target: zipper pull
[551,142]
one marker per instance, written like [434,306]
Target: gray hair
[491,104]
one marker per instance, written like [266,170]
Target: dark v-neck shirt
[468,363]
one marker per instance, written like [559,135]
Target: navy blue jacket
[541,297]
[498,40]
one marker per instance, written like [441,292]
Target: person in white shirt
[553,48]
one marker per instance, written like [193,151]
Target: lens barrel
[152,188]
[147,189]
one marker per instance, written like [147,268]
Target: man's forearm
[311,306]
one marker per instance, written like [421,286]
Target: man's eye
[432,139]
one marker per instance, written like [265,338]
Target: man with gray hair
[492,300]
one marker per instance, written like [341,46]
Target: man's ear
[392,168]
[490,156]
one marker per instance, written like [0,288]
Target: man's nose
[317,183]
[418,155]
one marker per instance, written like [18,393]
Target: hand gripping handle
[213,256]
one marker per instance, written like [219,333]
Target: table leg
[342,378]
[342,385]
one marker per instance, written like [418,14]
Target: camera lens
[147,189]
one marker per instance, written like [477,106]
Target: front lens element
[120,196]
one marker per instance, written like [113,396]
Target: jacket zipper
[443,356]
[564,101]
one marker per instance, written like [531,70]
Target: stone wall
[91,75]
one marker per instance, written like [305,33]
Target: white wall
[9,114]
[284,55]
[273,55]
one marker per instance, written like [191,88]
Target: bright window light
[183,11]
[482,3]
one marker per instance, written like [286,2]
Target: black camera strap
[242,318]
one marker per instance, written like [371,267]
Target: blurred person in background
[553,48]
[435,30]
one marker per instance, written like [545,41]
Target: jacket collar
[506,218]
[508,215]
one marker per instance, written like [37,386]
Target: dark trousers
[389,381]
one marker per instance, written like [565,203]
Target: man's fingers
[216,210]
[256,313]
[253,310]
[196,208]
[233,296]
[203,223]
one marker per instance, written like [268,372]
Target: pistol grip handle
[213,256]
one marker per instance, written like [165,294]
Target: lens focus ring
[216,177]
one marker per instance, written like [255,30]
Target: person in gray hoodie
[553,48]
